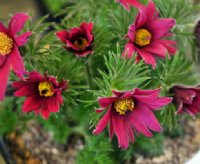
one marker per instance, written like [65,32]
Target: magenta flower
[43,93]
[187,99]
[78,40]
[10,57]
[129,112]
[128,3]
[147,36]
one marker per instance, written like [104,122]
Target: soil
[36,146]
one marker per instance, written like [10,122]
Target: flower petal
[53,104]
[22,39]
[32,103]
[29,89]
[62,35]
[128,50]
[138,123]
[4,74]
[120,130]
[103,122]
[147,57]
[157,49]
[17,22]
[3,29]
[17,63]
[106,101]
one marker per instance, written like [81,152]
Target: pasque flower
[43,93]
[128,3]
[10,57]
[78,40]
[187,99]
[129,112]
[148,36]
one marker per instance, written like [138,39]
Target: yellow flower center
[124,104]
[6,44]
[80,43]
[46,89]
[142,37]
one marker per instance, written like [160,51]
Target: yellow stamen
[46,89]
[6,44]
[142,37]
[81,43]
[123,105]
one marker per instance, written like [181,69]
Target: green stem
[89,77]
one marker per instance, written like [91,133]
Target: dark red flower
[78,40]
[128,3]
[129,112]
[43,93]
[10,57]
[187,99]
[148,36]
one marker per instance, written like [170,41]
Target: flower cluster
[126,112]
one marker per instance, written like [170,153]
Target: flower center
[6,44]
[46,89]
[81,43]
[124,104]
[142,37]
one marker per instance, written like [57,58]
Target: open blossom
[78,40]
[128,3]
[10,57]
[148,36]
[129,112]
[43,93]
[187,99]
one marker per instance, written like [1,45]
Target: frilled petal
[157,49]
[151,11]
[2,60]
[84,53]
[45,112]
[131,33]
[120,130]
[53,104]
[106,101]
[192,109]
[129,50]
[4,74]
[17,63]
[87,27]
[161,27]
[138,123]
[22,39]
[17,22]
[27,90]
[32,103]
[103,122]
[147,57]
[3,29]
[169,45]
[141,19]
[117,93]
[133,3]
[36,76]
[138,91]
[150,120]
[62,35]
[152,101]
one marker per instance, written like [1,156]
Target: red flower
[10,57]
[187,99]
[128,3]
[147,36]
[43,93]
[78,40]
[128,111]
